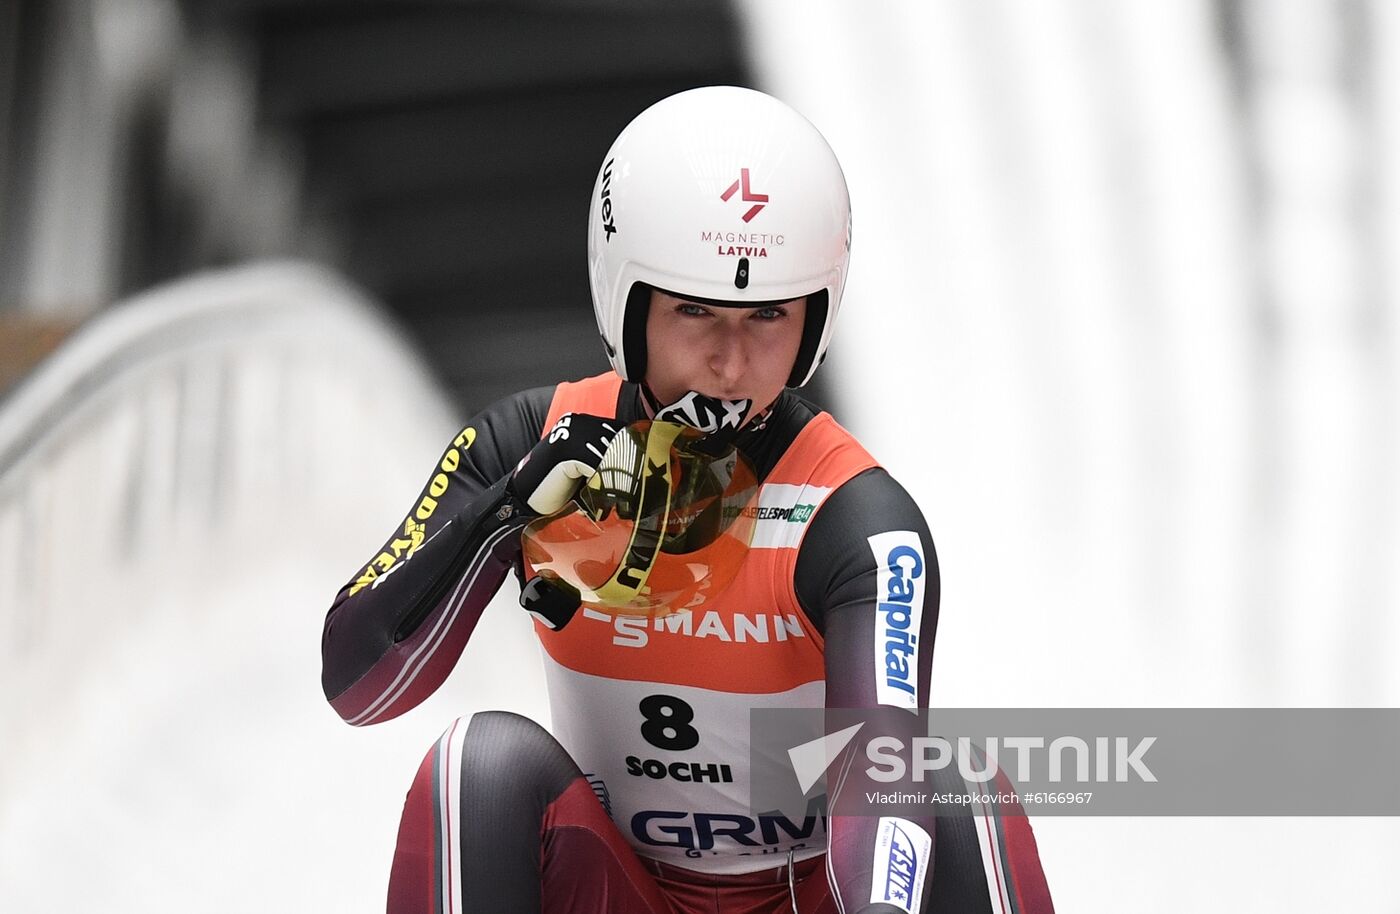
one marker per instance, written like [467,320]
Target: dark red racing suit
[639,801]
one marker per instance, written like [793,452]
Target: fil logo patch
[901,864]
[747,194]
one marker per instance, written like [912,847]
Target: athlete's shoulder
[498,436]
[517,414]
[603,383]
[873,498]
[528,407]
[856,529]
[869,501]
[600,395]
[796,434]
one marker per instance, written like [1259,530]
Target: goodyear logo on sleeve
[899,596]
[414,531]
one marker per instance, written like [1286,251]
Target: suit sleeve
[867,575]
[396,629]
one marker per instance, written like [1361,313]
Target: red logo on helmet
[748,196]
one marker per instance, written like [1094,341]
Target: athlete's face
[731,353]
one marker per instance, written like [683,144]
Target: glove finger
[559,485]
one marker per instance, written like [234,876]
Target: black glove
[543,483]
[552,602]
[718,419]
[563,460]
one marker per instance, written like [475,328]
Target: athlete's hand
[563,460]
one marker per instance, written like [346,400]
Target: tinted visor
[661,526]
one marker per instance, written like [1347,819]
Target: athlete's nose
[729,360]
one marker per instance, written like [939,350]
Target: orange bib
[656,709]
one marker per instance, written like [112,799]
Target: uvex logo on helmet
[609,227]
[747,195]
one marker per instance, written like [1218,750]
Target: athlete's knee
[511,753]
[509,728]
[473,825]
[492,762]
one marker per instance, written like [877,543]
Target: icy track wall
[183,488]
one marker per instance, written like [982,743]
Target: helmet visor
[661,526]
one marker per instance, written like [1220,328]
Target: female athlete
[719,238]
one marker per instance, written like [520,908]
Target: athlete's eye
[690,308]
[770,314]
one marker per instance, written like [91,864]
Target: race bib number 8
[667,723]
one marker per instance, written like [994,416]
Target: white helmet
[724,195]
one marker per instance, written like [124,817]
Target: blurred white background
[1121,318]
